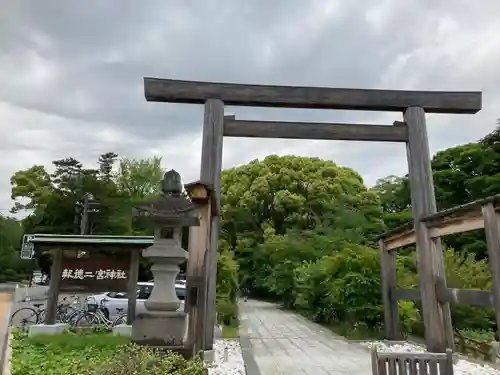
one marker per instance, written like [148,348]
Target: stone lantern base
[160,328]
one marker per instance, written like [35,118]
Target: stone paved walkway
[286,343]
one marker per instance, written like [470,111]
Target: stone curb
[6,339]
[251,367]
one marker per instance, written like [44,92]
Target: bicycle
[63,310]
[29,315]
[72,317]
[96,316]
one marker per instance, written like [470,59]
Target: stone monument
[164,323]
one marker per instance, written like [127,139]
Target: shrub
[93,352]
[141,360]
[341,288]
[227,287]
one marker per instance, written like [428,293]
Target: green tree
[13,268]
[34,185]
[282,211]
[139,179]
[394,195]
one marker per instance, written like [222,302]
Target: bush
[341,288]
[141,360]
[93,352]
[227,287]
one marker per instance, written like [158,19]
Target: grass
[351,332]
[230,332]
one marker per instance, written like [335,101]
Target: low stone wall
[35,293]
[6,302]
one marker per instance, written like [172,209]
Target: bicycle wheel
[122,319]
[41,316]
[23,317]
[63,312]
[87,320]
[74,316]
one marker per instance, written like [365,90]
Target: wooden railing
[458,219]
[484,213]
[483,349]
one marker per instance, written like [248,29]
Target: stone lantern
[164,323]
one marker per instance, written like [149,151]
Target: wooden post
[55,279]
[388,278]
[133,275]
[199,239]
[437,317]
[211,164]
[492,229]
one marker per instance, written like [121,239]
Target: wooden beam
[199,241]
[437,316]
[480,298]
[455,224]
[211,164]
[407,294]
[175,91]
[305,130]
[470,297]
[438,227]
[463,209]
[55,280]
[388,278]
[459,219]
[492,230]
[404,238]
[133,276]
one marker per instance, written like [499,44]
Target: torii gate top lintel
[194,92]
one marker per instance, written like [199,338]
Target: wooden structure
[403,363]
[197,271]
[412,131]
[85,274]
[479,214]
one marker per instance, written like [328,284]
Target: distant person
[245,294]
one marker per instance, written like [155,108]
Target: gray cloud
[71,73]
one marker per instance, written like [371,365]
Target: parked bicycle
[96,315]
[77,311]
[26,316]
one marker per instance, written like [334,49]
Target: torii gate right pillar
[437,317]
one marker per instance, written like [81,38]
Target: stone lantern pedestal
[164,322]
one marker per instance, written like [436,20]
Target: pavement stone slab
[283,342]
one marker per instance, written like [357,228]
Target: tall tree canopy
[282,212]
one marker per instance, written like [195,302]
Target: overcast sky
[71,74]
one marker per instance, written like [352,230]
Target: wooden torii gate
[412,131]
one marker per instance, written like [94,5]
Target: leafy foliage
[301,229]
[227,287]
[90,352]
[13,268]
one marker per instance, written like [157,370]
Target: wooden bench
[412,363]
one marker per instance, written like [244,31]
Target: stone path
[283,342]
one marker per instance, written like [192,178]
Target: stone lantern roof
[173,207]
